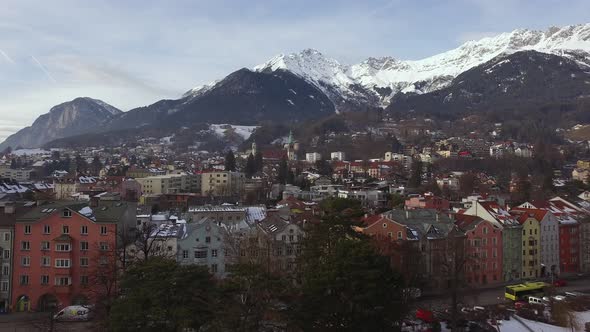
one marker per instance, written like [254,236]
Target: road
[32,322]
[492,295]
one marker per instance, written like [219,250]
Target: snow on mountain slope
[382,78]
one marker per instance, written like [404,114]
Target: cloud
[47,73]
[6,57]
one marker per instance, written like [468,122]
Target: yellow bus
[519,291]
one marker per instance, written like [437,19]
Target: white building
[313,157]
[339,155]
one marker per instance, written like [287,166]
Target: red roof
[523,214]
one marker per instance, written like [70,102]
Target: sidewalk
[23,316]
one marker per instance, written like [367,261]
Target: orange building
[58,251]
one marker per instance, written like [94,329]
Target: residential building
[313,157]
[207,243]
[60,249]
[20,175]
[549,237]
[169,184]
[427,201]
[531,246]
[569,244]
[339,155]
[484,250]
[222,183]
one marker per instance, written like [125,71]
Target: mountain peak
[66,119]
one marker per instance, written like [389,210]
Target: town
[451,216]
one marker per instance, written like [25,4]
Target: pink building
[59,249]
[427,201]
[484,247]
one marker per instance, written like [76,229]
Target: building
[59,251]
[206,243]
[404,160]
[20,175]
[222,183]
[64,187]
[569,245]
[427,201]
[136,173]
[549,237]
[531,246]
[313,157]
[339,155]
[512,238]
[170,184]
[484,250]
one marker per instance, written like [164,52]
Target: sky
[132,53]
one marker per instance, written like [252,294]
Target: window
[6,236]
[46,230]
[84,230]
[6,253]
[44,280]
[83,280]
[384,225]
[185,254]
[66,213]
[24,279]
[45,261]
[25,245]
[284,238]
[485,230]
[5,270]
[62,263]
[214,253]
[399,235]
[83,245]
[84,261]
[5,286]
[291,238]
[103,230]
[25,261]
[200,253]
[27,229]
[213,268]
[63,281]
[104,246]
[103,260]
[289,251]
[44,245]
[62,247]
[65,229]
[207,239]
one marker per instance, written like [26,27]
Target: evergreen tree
[230,161]
[96,165]
[416,176]
[258,161]
[250,168]
[283,172]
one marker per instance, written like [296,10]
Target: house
[10,212]
[484,249]
[59,250]
[549,237]
[206,242]
[427,201]
[511,235]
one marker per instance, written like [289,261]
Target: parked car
[74,313]
[559,283]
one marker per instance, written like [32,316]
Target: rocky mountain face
[71,118]
[507,85]
[243,97]
[521,68]
[378,80]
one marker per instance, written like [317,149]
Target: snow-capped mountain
[379,79]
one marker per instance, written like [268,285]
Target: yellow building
[531,247]
[583,164]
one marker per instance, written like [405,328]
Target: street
[492,296]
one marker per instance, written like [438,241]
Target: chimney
[9,208]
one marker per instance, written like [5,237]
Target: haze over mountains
[523,67]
